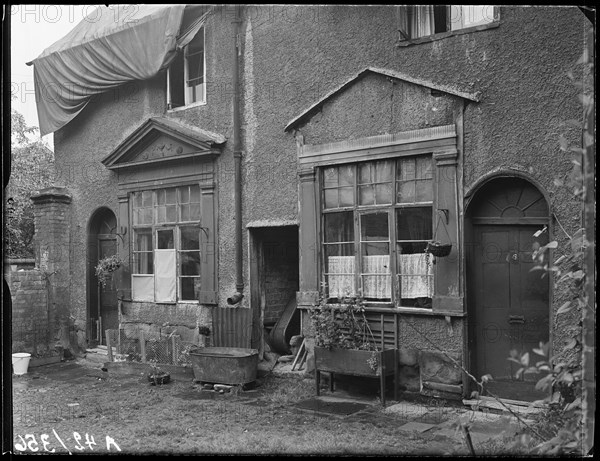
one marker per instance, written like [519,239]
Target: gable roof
[476,97]
[203,140]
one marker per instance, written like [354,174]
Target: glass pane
[185,212]
[365,174]
[366,195]
[171,195]
[190,288]
[383,193]
[330,177]
[190,238]
[195,194]
[346,196]
[195,212]
[171,213]
[331,198]
[384,171]
[374,226]
[164,239]
[346,175]
[184,194]
[143,240]
[137,199]
[424,170]
[424,191]
[136,214]
[147,198]
[160,197]
[146,216]
[410,247]
[339,249]
[406,169]
[406,192]
[375,248]
[143,263]
[190,262]
[414,223]
[339,227]
[161,214]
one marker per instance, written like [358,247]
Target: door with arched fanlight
[508,298]
[102,300]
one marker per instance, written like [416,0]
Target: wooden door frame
[92,234]
[469,227]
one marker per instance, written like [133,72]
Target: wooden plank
[142,340]
[303,359]
[299,353]
[109,346]
[454,388]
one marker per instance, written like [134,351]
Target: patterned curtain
[341,276]
[416,275]
[377,280]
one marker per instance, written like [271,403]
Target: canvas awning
[122,43]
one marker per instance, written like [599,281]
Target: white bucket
[20,362]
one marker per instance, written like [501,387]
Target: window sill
[189,106]
[432,38]
[389,309]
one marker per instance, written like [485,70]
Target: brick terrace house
[245,159]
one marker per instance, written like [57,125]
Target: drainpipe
[237,158]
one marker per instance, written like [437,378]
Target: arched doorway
[508,302]
[102,301]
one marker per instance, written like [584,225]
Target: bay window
[376,221]
[167,249]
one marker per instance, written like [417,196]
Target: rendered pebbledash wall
[293,56]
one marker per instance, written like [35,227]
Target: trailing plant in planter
[157,375]
[345,344]
[344,326]
[105,268]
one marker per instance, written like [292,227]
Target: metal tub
[224,365]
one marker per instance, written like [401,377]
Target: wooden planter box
[355,362]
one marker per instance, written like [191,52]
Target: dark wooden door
[511,306]
[107,296]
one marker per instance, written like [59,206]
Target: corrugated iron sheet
[232,327]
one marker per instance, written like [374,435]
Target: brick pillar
[51,208]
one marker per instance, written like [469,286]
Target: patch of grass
[279,391]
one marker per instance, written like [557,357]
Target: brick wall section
[33,322]
[52,207]
[281,278]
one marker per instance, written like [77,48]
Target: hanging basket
[438,249]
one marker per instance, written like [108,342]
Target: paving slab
[416,426]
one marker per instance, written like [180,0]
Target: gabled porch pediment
[160,140]
[449,89]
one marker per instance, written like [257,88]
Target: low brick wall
[33,322]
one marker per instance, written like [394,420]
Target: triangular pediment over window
[161,141]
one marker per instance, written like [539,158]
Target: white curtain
[341,276]
[166,276]
[377,281]
[142,287]
[422,21]
[416,275]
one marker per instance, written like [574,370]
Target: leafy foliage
[32,168]
[105,267]
[343,325]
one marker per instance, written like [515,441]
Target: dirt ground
[68,407]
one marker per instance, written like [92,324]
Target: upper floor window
[424,20]
[377,220]
[186,78]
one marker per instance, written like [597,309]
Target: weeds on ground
[279,391]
